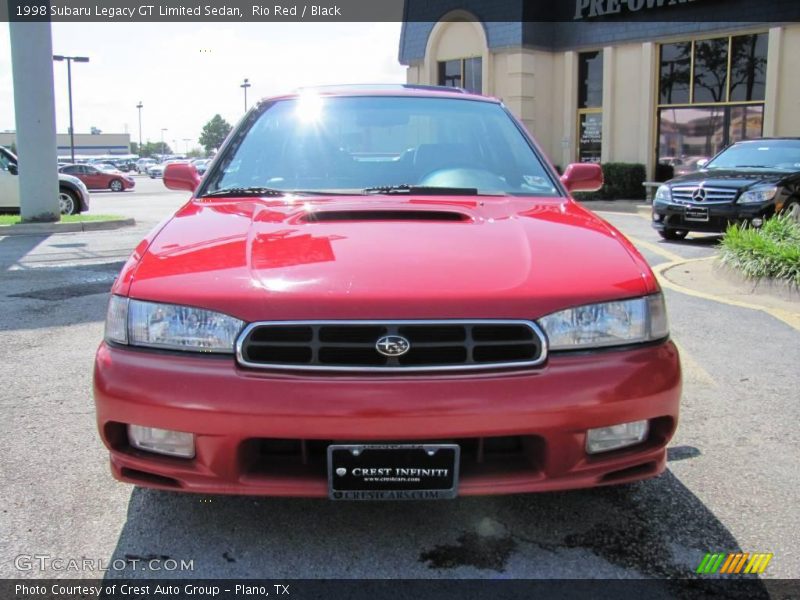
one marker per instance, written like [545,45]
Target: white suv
[73,196]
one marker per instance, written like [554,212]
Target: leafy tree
[150,148]
[214,133]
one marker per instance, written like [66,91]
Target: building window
[590,106]
[711,94]
[466,73]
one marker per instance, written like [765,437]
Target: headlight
[663,194]
[759,195]
[170,326]
[607,324]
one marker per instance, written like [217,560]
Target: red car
[99,179]
[385,294]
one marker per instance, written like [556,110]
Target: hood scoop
[383,215]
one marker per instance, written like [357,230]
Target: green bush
[623,181]
[772,251]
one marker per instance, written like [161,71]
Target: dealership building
[86,144]
[639,81]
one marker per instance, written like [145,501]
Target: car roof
[768,139]
[387,89]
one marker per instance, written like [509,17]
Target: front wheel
[68,202]
[673,234]
[116,185]
[792,210]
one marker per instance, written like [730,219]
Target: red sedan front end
[403,342]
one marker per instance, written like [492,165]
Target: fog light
[757,222]
[604,439]
[161,441]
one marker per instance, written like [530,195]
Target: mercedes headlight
[607,324]
[170,326]
[663,194]
[759,195]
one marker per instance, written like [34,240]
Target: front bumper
[720,216]
[236,413]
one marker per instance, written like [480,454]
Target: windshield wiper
[244,191]
[271,192]
[421,190]
[753,167]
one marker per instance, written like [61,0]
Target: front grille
[713,195]
[352,345]
[480,456]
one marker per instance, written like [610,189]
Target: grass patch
[16,219]
[772,251]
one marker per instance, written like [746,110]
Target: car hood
[729,178]
[380,257]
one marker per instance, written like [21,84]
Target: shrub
[623,181]
[773,251]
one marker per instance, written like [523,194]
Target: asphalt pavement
[731,485]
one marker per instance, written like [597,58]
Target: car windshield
[765,154]
[323,143]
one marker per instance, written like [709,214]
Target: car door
[9,182]
[93,177]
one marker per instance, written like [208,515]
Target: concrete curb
[48,228]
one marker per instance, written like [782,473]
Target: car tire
[116,186]
[792,210]
[673,234]
[68,202]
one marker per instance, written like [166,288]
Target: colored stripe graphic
[733,563]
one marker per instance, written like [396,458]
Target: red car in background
[385,293]
[100,179]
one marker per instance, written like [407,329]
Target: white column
[649,88]
[34,105]
[569,141]
[773,75]
[606,153]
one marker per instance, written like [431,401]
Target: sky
[184,73]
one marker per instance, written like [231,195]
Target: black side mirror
[12,168]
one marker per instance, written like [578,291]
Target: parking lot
[730,484]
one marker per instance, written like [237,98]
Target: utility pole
[139,106]
[69,59]
[244,86]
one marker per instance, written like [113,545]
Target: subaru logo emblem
[699,195]
[392,345]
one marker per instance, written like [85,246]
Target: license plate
[393,471]
[696,214]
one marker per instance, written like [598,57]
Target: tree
[150,148]
[214,133]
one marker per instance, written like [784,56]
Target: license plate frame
[696,213]
[393,471]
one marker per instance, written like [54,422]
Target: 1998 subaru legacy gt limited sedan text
[385,293]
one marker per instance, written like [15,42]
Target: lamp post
[139,106]
[244,86]
[69,59]
[163,129]
[186,145]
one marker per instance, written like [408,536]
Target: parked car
[157,171]
[73,197]
[385,294]
[143,164]
[749,181]
[96,178]
[201,164]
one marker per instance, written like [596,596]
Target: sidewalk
[707,278]
[619,206]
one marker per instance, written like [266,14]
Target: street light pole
[244,86]
[163,129]
[186,145]
[69,59]
[139,106]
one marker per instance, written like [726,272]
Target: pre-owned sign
[588,9]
